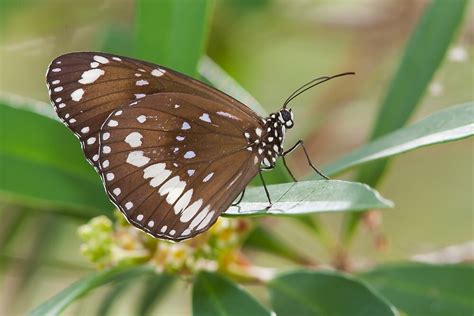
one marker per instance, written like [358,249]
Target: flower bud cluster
[107,244]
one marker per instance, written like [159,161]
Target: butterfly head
[285,116]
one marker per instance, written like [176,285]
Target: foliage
[215,264]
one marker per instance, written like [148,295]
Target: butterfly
[173,153]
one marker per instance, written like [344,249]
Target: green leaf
[423,289]
[423,55]
[451,124]
[308,197]
[215,295]
[56,304]
[173,32]
[112,296]
[325,293]
[46,166]
[156,286]
[263,239]
[221,80]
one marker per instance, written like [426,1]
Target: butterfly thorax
[268,140]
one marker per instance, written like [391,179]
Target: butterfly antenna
[312,84]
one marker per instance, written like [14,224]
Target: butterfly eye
[285,115]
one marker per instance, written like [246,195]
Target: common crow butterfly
[173,153]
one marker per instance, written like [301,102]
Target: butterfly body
[267,140]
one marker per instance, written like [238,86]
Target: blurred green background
[270,47]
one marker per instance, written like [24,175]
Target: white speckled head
[285,116]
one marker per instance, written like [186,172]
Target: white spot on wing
[185,126]
[183,201]
[77,95]
[186,232]
[158,72]
[109,176]
[235,179]
[134,139]
[258,131]
[189,154]
[142,82]
[205,117]
[91,75]
[91,140]
[128,205]
[137,158]
[106,136]
[106,150]
[151,224]
[190,172]
[206,220]
[56,70]
[173,187]
[101,59]
[199,217]
[117,191]
[190,211]
[141,119]
[139,95]
[112,123]
[157,172]
[58,89]
[228,115]
[179,138]
[164,228]
[208,177]
[85,130]
[139,217]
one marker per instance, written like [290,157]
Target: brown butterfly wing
[173,162]
[86,87]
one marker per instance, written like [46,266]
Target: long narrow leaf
[112,296]
[264,240]
[156,286]
[423,55]
[46,167]
[215,295]
[56,304]
[454,123]
[173,32]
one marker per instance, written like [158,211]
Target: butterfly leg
[240,198]
[266,190]
[300,143]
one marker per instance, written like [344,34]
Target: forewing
[86,87]
[172,162]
